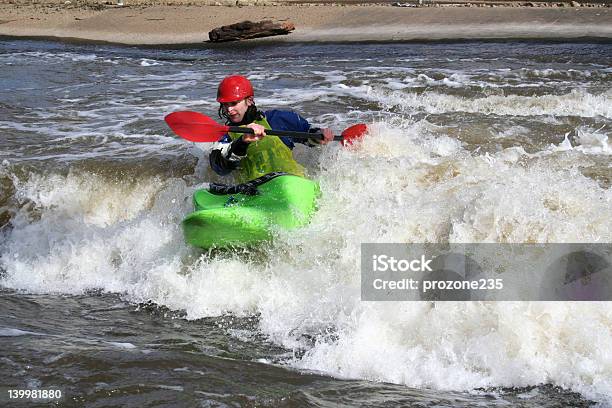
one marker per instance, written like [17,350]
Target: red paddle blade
[195,127]
[354,133]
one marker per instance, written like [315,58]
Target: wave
[83,231]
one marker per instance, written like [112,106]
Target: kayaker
[256,155]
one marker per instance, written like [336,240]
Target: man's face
[236,110]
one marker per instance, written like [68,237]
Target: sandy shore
[187,22]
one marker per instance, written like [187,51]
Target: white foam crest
[264,76]
[452,80]
[331,76]
[62,57]
[467,345]
[126,346]
[593,141]
[575,103]
[321,94]
[77,194]
[72,56]
[145,62]
[165,86]
[211,288]
[500,211]
[569,74]
[186,75]
[11,332]
[464,81]
[36,57]
[587,141]
[92,233]
[377,70]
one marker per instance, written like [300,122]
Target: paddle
[197,127]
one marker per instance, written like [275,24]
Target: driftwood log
[248,29]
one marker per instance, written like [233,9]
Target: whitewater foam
[574,103]
[305,288]
[406,182]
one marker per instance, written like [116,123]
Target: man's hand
[259,130]
[328,136]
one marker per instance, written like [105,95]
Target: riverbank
[187,22]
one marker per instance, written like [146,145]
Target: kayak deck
[240,220]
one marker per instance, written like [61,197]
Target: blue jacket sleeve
[287,120]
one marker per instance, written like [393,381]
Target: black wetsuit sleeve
[239,147]
[224,159]
[220,164]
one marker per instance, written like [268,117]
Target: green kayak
[241,219]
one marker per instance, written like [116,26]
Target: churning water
[471,142]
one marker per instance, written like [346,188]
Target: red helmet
[234,88]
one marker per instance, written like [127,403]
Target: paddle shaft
[285,133]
